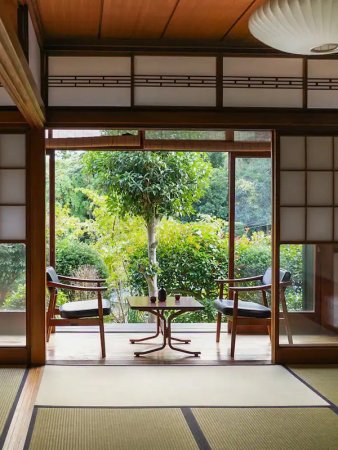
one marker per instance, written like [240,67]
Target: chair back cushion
[52,275]
[284,275]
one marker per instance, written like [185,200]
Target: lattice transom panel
[308,193]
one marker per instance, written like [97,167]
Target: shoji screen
[307,201]
[262,82]
[308,189]
[175,81]
[12,239]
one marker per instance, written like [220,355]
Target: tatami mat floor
[182,407]
[11,383]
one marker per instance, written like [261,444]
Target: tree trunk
[152,246]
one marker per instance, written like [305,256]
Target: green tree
[253,192]
[215,200]
[69,182]
[151,185]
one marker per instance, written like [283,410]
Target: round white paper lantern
[304,27]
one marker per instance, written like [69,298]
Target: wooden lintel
[12,118]
[312,121]
[132,142]
[15,74]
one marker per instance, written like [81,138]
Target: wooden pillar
[232,201]
[36,259]
[52,247]
[275,249]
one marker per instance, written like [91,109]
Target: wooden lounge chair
[87,312]
[236,309]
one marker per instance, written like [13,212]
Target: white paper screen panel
[292,224]
[12,222]
[292,152]
[89,81]
[12,150]
[5,99]
[292,191]
[319,188]
[335,149]
[34,54]
[319,152]
[12,187]
[319,224]
[322,83]
[336,188]
[262,82]
[175,81]
[336,224]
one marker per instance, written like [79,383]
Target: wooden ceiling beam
[15,74]
[35,15]
[187,46]
[132,142]
[291,120]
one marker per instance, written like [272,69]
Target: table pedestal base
[164,328]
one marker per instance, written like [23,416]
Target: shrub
[71,254]
[192,255]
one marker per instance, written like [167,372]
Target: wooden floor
[84,347]
[82,344]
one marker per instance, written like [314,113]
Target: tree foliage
[215,200]
[150,184]
[70,180]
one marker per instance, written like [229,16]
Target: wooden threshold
[18,429]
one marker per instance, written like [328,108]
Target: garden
[148,219]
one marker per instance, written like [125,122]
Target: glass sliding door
[250,222]
[12,240]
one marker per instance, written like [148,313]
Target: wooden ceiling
[222,22]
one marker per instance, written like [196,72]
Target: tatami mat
[137,386]
[269,428]
[10,384]
[322,378]
[106,429]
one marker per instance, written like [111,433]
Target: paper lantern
[304,27]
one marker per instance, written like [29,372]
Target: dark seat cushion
[82,309]
[245,309]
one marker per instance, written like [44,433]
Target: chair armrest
[239,280]
[76,288]
[286,283]
[263,287]
[82,280]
